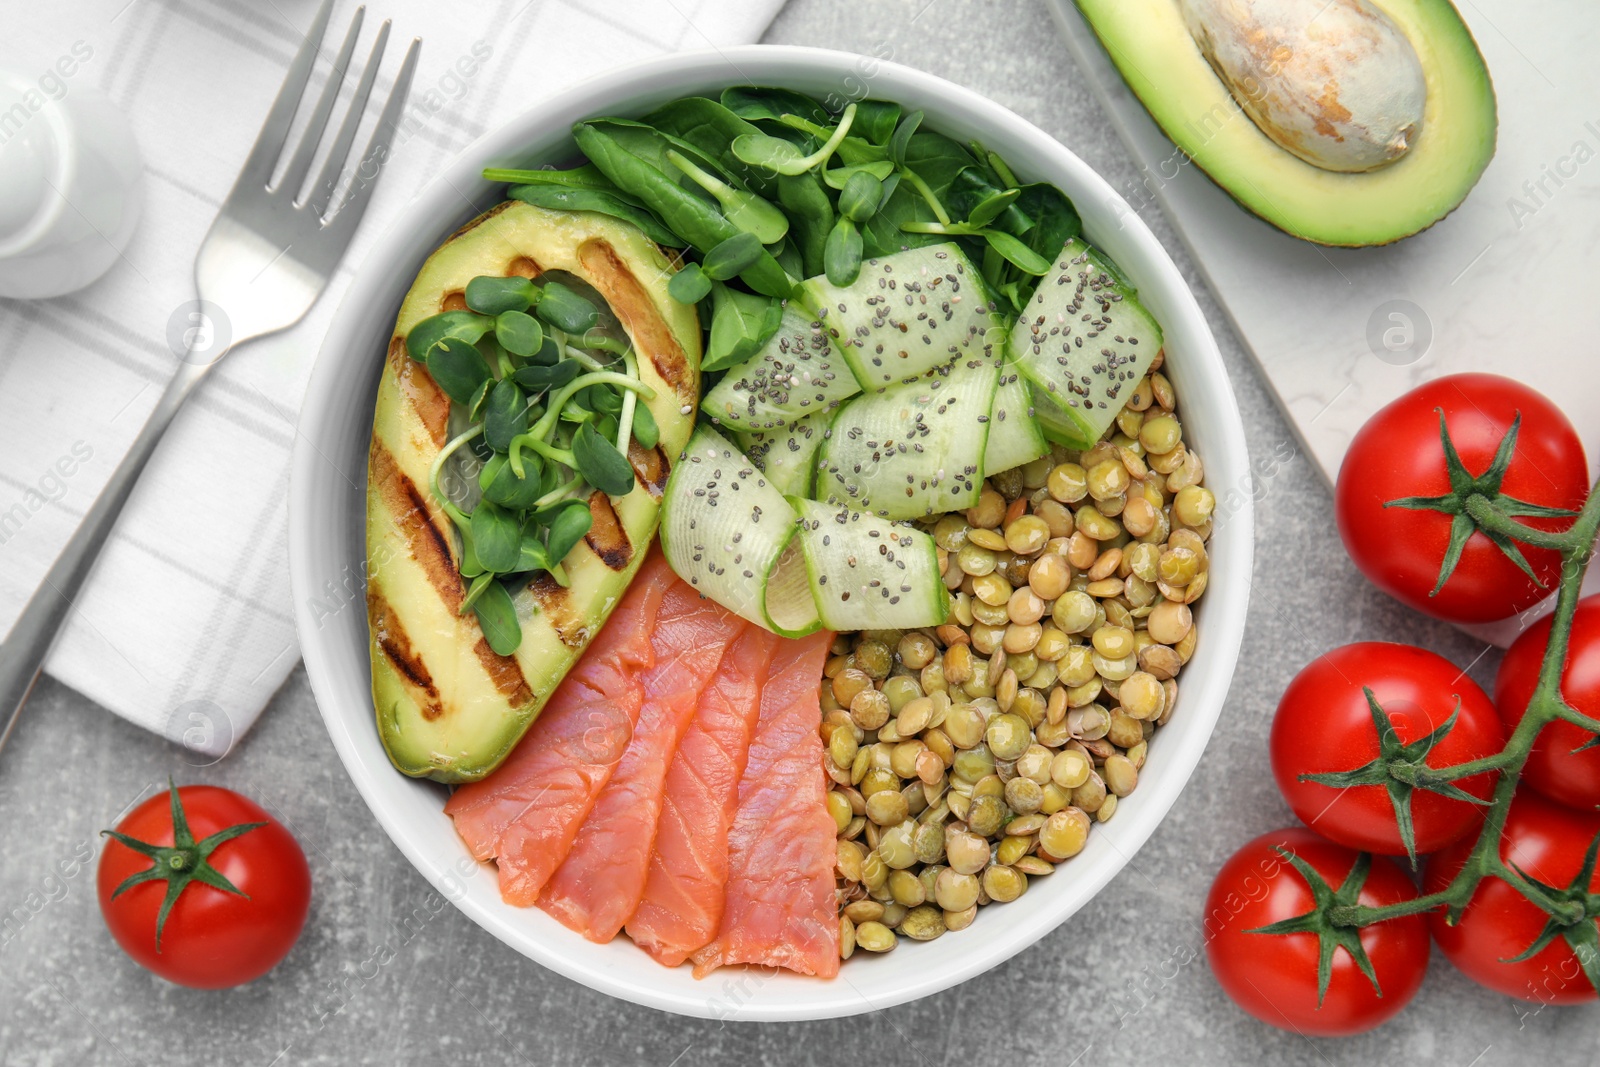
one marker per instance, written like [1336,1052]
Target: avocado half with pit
[1344,122]
[448,706]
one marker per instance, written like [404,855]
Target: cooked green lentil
[970,757]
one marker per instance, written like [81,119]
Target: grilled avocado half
[448,706]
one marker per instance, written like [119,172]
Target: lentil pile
[970,757]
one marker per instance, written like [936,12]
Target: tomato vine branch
[1571,909]
[1491,519]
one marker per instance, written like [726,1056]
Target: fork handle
[23,652]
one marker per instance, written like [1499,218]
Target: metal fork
[264,261]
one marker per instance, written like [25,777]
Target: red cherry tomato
[1398,454]
[211,938]
[1553,767]
[1324,724]
[1274,976]
[1547,841]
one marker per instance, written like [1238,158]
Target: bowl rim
[1225,610]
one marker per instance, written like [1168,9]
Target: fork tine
[355,205]
[275,131]
[300,165]
[328,180]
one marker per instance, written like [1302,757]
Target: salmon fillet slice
[599,884]
[683,893]
[524,816]
[779,908]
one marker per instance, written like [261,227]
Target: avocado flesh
[447,708]
[1156,55]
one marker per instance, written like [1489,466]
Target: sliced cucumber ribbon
[868,573]
[789,564]
[728,532]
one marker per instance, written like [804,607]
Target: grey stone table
[1108,987]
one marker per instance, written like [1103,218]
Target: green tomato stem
[1457,771]
[1492,518]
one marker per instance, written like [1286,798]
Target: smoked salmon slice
[524,816]
[600,883]
[779,907]
[683,893]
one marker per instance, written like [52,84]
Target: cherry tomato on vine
[1327,723]
[1399,454]
[1548,843]
[1554,768]
[203,887]
[1274,976]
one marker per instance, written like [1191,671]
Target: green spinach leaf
[600,201]
[694,220]
[740,324]
[754,102]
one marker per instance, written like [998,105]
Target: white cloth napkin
[187,626]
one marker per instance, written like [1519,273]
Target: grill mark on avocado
[610,275]
[524,267]
[396,645]
[418,387]
[427,543]
[651,467]
[456,301]
[606,536]
[431,548]
[504,673]
[555,603]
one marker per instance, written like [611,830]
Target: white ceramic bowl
[326,520]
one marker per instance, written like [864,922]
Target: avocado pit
[1334,82]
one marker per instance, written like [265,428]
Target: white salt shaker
[71,185]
